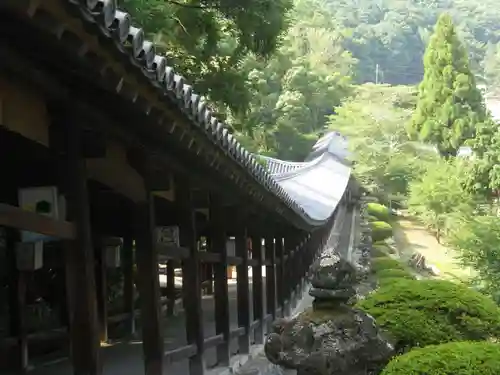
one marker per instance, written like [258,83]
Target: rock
[332,272]
[329,341]
[341,295]
[433,270]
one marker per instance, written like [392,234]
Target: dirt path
[412,237]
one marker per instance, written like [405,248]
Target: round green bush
[378,210]
[454,358]
[392,276]
[394,273]
[380,230]
[426,312]
[379,251]
[372,218]
[386,263]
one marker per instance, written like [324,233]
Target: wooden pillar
[218,243]
[79,256]
[210,270]
[16,302]
[257,289]
[270,275]
[191,285]
[102,292]
[288,248]
[170,287]
[149,286]
[280,274]
[243,286]
[128,285]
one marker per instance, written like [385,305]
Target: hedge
[395,273]
[380,230]
[425,312]
[386,263]
[372,218]
[454,358]
[378,210]
[379,250]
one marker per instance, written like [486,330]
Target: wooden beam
[270,275]
[191,284]
[257,289]
[149,286]
[85,349]
[102,289]
[242,284]
[128,284]
[15,217]
[218,242]
[280,272]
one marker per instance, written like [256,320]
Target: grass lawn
[410,237]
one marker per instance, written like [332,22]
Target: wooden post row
[257,290]
[191,285]
[270,275]
[243,292]
[219,245]
[149,288]
[280,268]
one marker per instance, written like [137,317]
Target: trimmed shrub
[381,230]
[372,218]
[454,358]
[386,263]
[395,273]
[426,312]
[379,211]
[392,276]
[379,250]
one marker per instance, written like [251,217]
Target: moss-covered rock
[455,358]
[381,230]
[379,211]
[426,312]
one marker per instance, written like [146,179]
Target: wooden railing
[287,261]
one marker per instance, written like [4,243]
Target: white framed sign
[167,235]
[43,200]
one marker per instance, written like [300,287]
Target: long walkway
[125,358]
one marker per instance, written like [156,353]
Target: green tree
[477,239]
[385,159]
[295,90]
[438,198]
[208,39]
[449,103]
[484,167]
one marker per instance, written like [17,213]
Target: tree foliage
[294,91]
[373,121]
[208,39]
[449,103]
[438,197]
[392,35]
[484,167]
[478,239]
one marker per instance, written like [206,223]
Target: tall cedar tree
[449,104]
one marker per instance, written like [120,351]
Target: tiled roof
[117,25]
